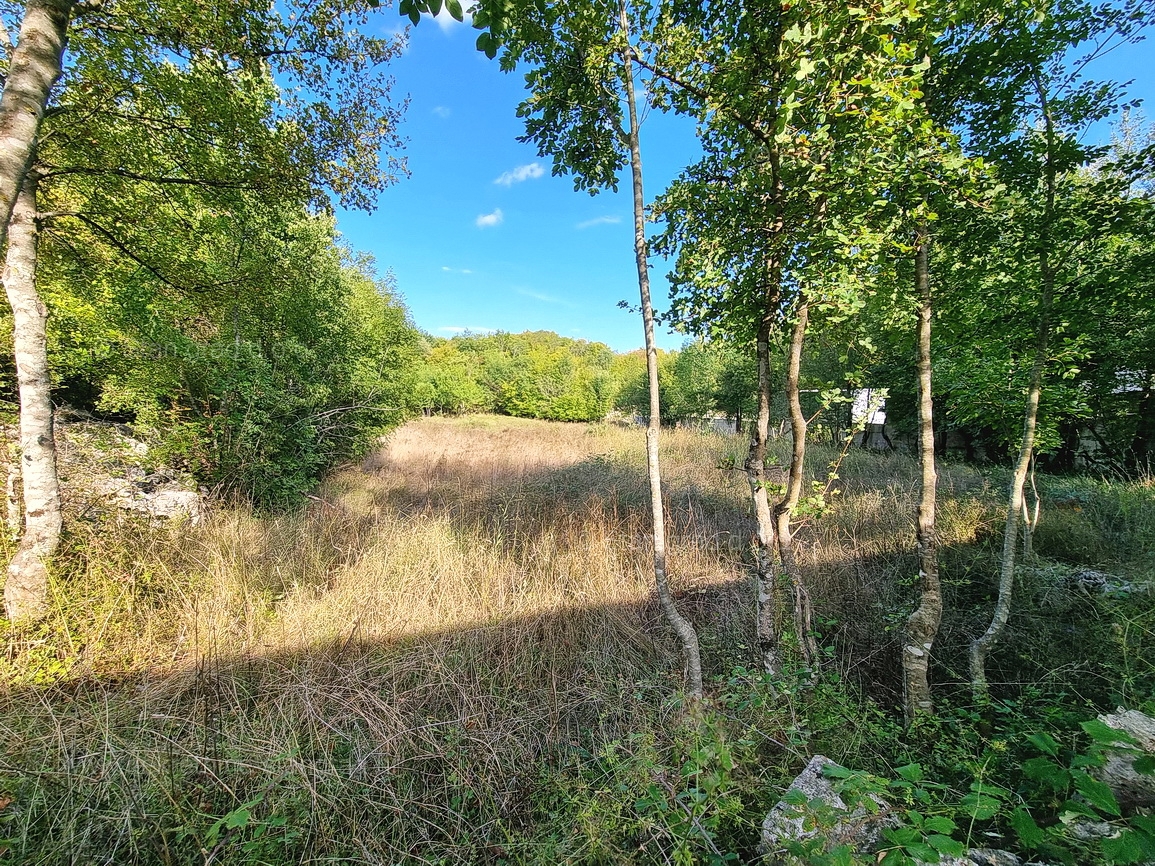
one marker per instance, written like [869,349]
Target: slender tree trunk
[766,587]
[981,646]
[791,572]
[34,68]
[682,626]
[26,588]
[922,625]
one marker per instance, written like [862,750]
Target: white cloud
[447,22]
[521,173]
[538,296]
[441,111]
[489,220]
[599,221]
[450,270]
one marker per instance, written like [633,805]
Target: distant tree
[531,375]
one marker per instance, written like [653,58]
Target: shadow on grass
[530,738]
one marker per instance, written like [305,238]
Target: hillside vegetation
[453,655]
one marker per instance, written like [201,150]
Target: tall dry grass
[473,600]
[402,670]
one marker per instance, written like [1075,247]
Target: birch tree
[1029,105]
[172,96]
[797,106]
[583,112]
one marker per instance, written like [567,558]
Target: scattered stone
[1133,790]
[860,828]
[982,857]
[1086,830]
[102,465]
[152,495]
[1100,583]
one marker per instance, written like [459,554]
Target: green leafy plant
[1077,815]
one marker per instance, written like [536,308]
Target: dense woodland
[934,202]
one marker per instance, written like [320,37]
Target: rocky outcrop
[155,495]
[105,468]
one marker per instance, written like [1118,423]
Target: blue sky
[482,236]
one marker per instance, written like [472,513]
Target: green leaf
[940,824]
[946,845]
[1044,742]
[1145,764]
[1124,848]
[237,818]
[455,10]
[922,851]
[1096,793]
[1029,833]
[1047,771]
[1105,735]
[794,797]
[487,42]
[981,806]
[903,835]
[910,772]
[834,771]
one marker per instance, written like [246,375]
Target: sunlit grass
[398,671]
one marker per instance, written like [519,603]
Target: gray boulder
[1133,790]
[825,815]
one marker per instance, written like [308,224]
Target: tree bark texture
[981,646]
[765,584]
[34,68]
[922,625]
[791,572]
[26,587]
[682,626]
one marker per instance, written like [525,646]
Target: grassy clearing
[453,655]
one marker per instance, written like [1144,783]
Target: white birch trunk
[981,646]
[26,587]
[922,625]
[682,626]
[765,584]
[34,68]
[791,571]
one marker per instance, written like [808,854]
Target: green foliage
[191,292]
[256,390]
[532,375]
[700,380]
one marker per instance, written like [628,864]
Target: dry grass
[473,601]
[399,671]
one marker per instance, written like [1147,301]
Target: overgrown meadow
[453,655]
